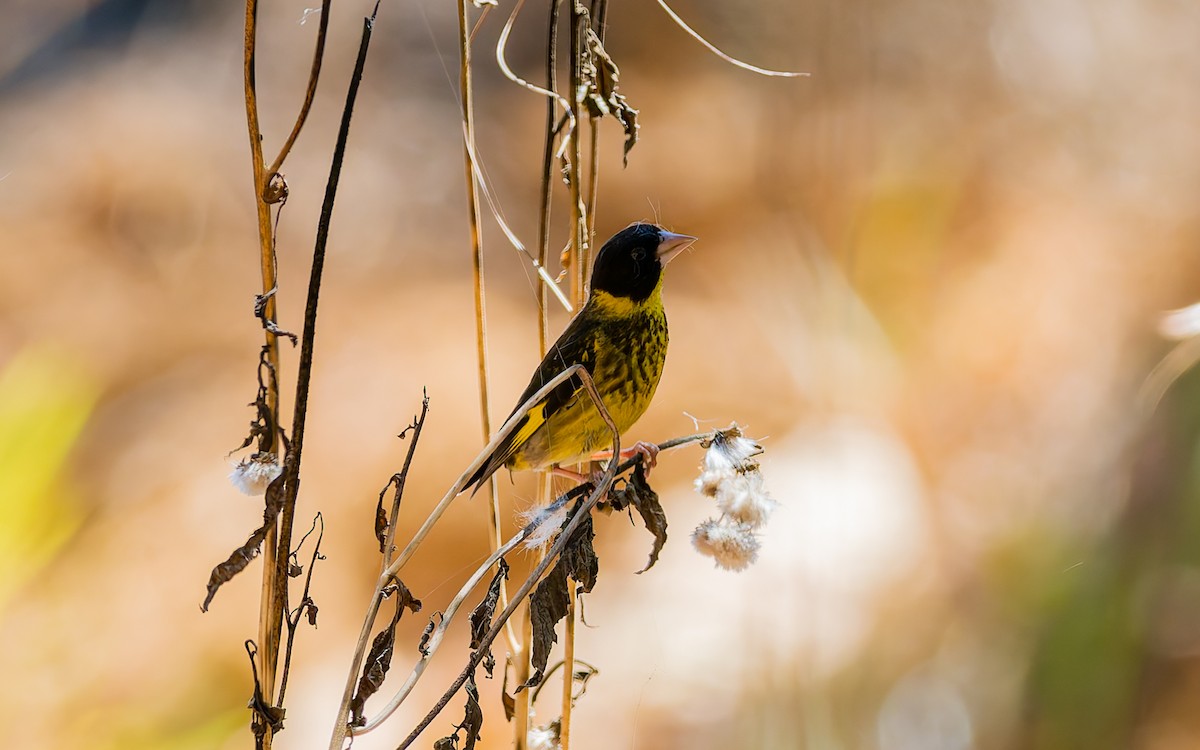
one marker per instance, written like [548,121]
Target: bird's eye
[638,255]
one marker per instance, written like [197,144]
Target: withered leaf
[549,601]
[636,491]
[434,619]
[601,78]
[510,704]
[241,557]
[379,658]
[310,608]
[472,716]
[481,616]
[267,715]
[381,519]
[472,722]
[381,524]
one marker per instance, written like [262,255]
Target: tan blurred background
[929,276]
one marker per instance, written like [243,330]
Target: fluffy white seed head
[730,451]
[551,520]
[710,481]
[743,498]
[733,545]
[252,475]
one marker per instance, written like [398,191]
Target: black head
[631,263]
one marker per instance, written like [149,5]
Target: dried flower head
[732,544]
[743,498]
[252,475]
[549,519]
[730,475]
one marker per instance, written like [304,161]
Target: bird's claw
[648,452]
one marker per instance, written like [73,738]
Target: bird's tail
[526,426]
[497,459]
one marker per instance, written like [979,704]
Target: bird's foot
[574,476]
[648,452]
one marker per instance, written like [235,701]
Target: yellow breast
[630,347]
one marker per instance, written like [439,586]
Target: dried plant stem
[593,186]
[270,616]
[713,48]
[495,537]
[581,224]
[578,210]
[547,169]
[600,19]
[568,667]
[473,217]
[293,619]
[521,668]
[520,655]
[418,425]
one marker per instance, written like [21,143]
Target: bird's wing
[576,346]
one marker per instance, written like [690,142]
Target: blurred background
[930,278]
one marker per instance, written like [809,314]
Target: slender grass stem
[270,616]
[564,741]
[578,210]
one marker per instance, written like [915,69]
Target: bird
[620,338]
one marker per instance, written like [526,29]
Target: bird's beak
[672,244]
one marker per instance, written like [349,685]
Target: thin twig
[293,620]
[502,62]
[727,58]
[498,215]
[310,92]
[400,479]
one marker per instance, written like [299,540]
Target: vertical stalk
[547,170]
[568,669]
[593,182]
[521,674]
[495,537]
[599,15]
[520,655]
[269,617]
[578,217]
[473,217]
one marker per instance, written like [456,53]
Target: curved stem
[310,93]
